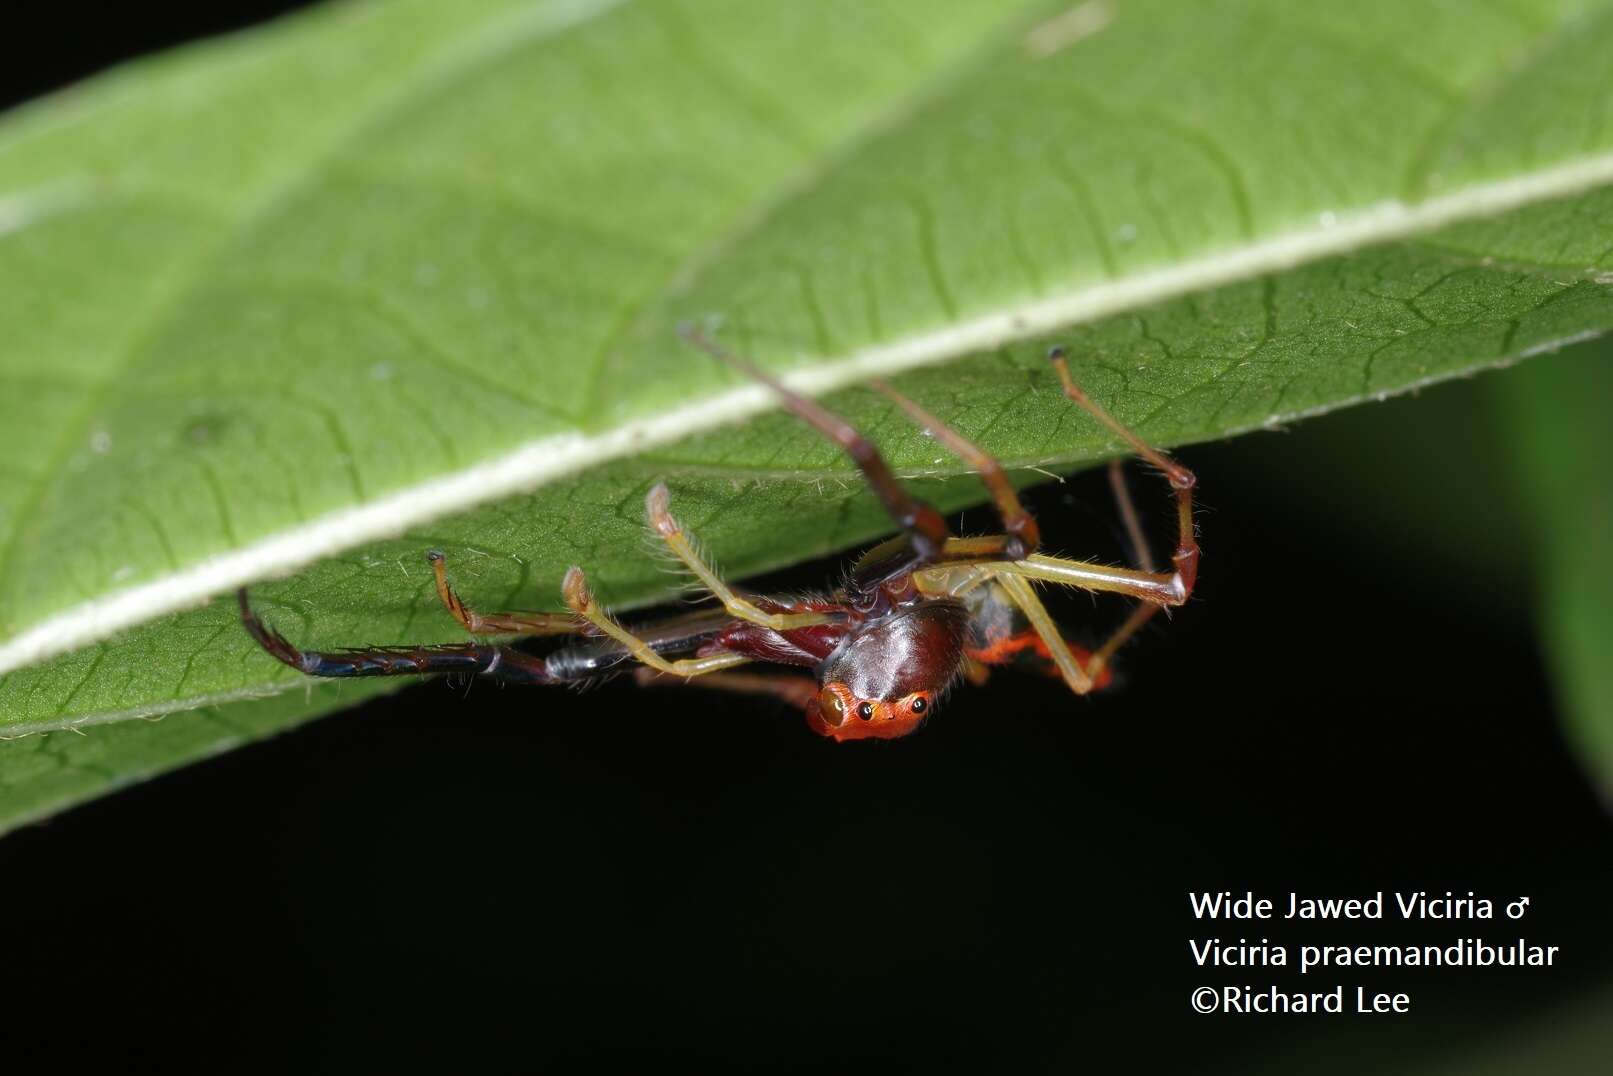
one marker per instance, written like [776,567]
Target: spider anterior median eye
[865,711]
[831,706]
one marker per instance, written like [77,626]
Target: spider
[912,616]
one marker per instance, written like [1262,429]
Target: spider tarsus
[267,638]
[574,589]
[657,506]
[435,556]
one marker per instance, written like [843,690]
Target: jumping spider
[913,615]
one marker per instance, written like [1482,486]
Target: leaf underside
[249,285]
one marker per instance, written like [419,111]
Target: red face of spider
[883,680]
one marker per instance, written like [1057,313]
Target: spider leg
[800,691]
[1017,522]
[1022,594]
[656,507]
[1028,643]
[1140,555]
[923,526]
[1082,671]
[481,659]
[1154,587]
[975,671]
[581,601]
[1139,616]
[1182,481]
[497,623]
[1159,588]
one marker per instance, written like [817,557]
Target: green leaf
[47,772]
[388,277]
[1562,440]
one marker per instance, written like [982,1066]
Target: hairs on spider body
[874,658]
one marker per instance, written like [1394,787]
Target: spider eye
[918,705]
[832,707]
[865,711]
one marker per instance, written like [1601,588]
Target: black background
[631,875]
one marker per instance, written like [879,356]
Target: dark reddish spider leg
[799,691]
[926,531]
[1159,588]
[1140,555]
[1017,523]
[1099,660]
[1156,591]
[1186,557]
[1094,664]
[498,623]
[499,662]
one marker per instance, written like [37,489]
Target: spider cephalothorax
[887,674]
[913,615]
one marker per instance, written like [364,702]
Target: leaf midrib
[455,60]
[1548,183]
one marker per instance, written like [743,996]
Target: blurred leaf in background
[1556,417]
[1495,491]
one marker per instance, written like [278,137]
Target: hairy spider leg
[1182,481]
[1017,522]
[1094,663]
[1155,590]
[1158,588]
[498,623]
[657,509]
[924,528]
[580,600]
[1161,588]
[1082,670]
[1022,594]
[481,659]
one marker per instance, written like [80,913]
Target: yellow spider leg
[581,601]
[671,532]
[1024,595]
[1159,588]
[956,577]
